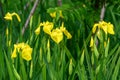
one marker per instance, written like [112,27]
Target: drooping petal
[110,29]
[104,28]
[18,17]
[69,36]
[95,28]
[63,29]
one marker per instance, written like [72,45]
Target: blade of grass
[9,67]
[116,71]
[23,70]
[112,64]
[44,72]
[88,63]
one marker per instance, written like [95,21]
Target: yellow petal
[63,29]
[20,46]
[53,15]
[57,35]
[14,55]
[91,42]
[99,34]
[69,36]
[37,31]
[104,28]
[110,29]
[8,16]
[26,54]
[47,27]
[18,17]
[94,28]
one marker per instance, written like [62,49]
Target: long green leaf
[9,67]
[117,70]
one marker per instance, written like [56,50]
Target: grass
[69,59]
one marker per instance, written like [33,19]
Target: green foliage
[71,59]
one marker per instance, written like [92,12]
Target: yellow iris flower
[47,27]
[8,16]
[56,35]
[53,14]
[106,27]
[20,46]
[25,50]
[26,53]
